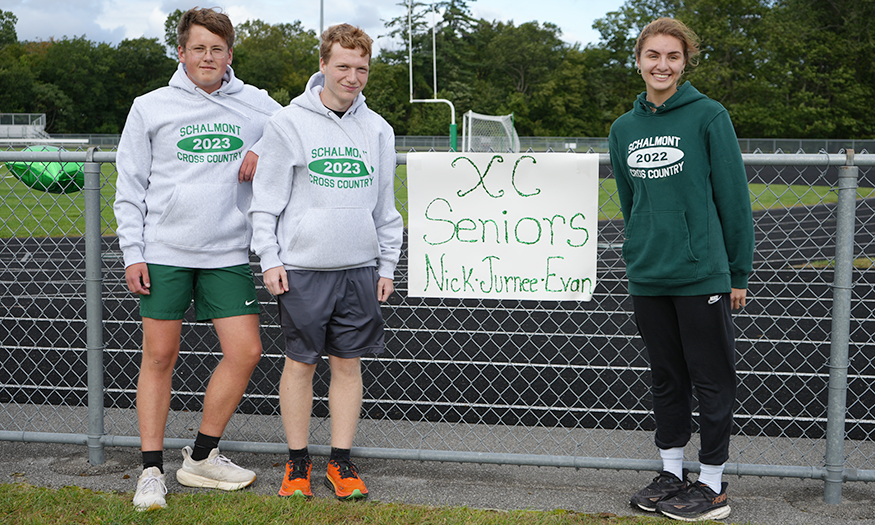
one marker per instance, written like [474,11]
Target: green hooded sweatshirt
[684,196]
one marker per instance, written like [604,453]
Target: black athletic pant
[691,343]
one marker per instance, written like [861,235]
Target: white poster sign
[502,226]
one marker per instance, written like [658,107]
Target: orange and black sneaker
[297,479]
[343,478]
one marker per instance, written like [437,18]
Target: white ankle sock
[712,475]
[673,461]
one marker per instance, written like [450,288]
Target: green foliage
[141,66]
[815,71]
[170,25]
[281,95]
[85,87]
[275,57]
[524,56]
[386,93]
[7,28]
[489,67]
[83,72]
[17,79]
[783,68]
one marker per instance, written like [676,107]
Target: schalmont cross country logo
[341,168]
[655,157]
[209,143]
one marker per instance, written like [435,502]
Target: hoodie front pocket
[657,247]
[334,238]
[203,216]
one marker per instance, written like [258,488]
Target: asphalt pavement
[753,500]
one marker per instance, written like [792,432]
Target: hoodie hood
[232,88]
[686,94]
[310,99]
[230,83]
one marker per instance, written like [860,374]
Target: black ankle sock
[339,453]
[203,444]
[153,458]
[298,454]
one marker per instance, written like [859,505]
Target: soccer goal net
[489,133]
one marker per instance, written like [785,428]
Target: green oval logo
[339,168]
[210,143]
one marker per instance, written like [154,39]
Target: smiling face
[346,74]
[661,61]
[204,68]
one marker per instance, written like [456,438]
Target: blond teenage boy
[328,235]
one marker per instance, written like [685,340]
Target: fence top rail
[750,159]
[29,141]
[767,159]
[55,156]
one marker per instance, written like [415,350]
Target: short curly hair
[348,36]
[213,19]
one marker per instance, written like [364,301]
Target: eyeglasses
[217,52]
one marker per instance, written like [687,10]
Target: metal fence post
[94,308]
[840,336]
[564,381]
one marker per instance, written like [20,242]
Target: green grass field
[29,213]
[25,504]
[25,212]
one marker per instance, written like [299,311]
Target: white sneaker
[215,472]
[150,490]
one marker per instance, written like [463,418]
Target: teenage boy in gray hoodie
[328,235]
[184,168]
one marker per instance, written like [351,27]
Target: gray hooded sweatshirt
[178,201]
[323,195]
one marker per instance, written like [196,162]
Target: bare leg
[241,351]
[344,399]
[160,351]
[296,401]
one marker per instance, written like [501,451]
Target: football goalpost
[453,133]
[489,133]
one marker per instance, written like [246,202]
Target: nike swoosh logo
[713,299]
[250,302]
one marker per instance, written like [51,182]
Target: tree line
[783,68]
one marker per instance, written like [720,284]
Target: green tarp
[53,177]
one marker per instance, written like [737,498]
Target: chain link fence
[600,144]
[518,382]
[441,142]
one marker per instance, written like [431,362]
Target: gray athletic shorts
[331,312]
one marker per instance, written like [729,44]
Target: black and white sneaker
[663,486]
[697,502]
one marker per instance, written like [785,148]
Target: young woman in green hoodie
[688,252]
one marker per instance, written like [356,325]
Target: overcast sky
[112,21]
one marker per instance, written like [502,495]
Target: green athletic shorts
[216,292]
